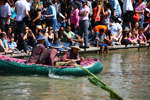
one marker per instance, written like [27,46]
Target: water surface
[126,72]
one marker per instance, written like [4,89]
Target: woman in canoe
[40,55]
[72,55]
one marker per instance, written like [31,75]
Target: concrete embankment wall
[92,50]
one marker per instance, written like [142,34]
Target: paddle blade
[115,96]
[60,64]
[97,83]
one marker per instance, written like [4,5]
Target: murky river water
[126,72]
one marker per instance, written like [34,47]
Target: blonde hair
[36,5]
[100,2]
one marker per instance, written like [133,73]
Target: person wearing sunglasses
[25,39]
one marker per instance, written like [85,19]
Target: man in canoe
[40,55]
[72,55]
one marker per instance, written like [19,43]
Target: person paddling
[40,55]
[72,55]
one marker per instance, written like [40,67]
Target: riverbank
[92,49]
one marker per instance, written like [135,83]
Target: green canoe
[16,66]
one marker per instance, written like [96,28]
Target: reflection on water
[127,73]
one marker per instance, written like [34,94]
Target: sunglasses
[26,29]
[50,29]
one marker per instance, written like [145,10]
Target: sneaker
[117,43]
[19,52]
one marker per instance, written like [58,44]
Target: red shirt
[94,14]
[68,55]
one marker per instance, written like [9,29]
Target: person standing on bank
[96,13]
[22,9]
[127,11]
[5,13]
[35,14]
[84,22]
[74,17]
[51,15]
[139,8]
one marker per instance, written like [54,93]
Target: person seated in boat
[72,55]
[25,39]
[40,55]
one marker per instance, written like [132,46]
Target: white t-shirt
[115,29]
[5,10]
[127,5]
[21,6]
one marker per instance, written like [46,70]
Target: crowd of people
[101,23]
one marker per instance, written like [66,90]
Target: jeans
[84,24]
[20,26]
[66,44]
[91,36]
[102,44]
[141,21]
[53,23]
[3,23]
[60,49]
[24,44]
[46,43]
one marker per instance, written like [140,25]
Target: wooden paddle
[57,64]
[96,81]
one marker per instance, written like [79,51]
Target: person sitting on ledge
[100,41]
[116,30]
[141,37]
[40,55]
[39,31]
[72,55]
[125,37]
[69,38]
[26,38]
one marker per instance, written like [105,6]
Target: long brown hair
[36,5]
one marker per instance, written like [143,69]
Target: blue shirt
[51,11]
[61,24]
[11,45]
[3,42]
[115,5]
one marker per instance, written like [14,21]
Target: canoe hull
[19,68]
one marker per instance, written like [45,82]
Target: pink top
[37,50]
[74,17]
[83,9]
[94,14]
[139,7]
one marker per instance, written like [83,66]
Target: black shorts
[128,16]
